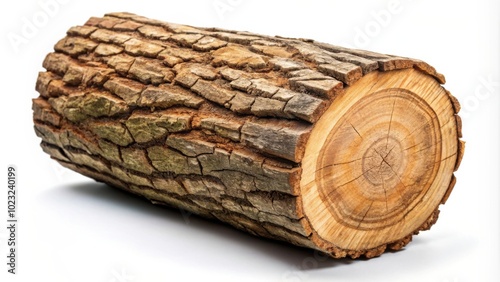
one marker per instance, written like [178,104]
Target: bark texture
[211,121]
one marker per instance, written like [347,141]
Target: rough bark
[222,123]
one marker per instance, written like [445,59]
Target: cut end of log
[379,161]
[348,152]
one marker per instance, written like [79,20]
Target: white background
[73,229]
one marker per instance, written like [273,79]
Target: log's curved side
[345,151]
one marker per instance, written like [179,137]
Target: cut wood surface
[346,151]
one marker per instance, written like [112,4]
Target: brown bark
[314,144]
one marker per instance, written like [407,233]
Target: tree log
[346,151]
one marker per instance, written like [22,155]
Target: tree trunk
[345,151]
